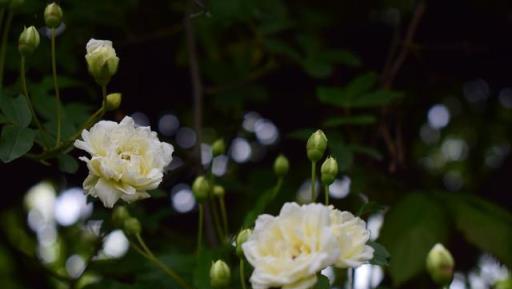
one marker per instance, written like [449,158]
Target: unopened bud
[53,15]
[114,101]
[440,265]
[28,41]
[240,239]
[102,60]
[201,188]
[218,147]
[281,166]
[329,171]
[132,226]
[317,143]
[220,275]
[218,191]
[119,215]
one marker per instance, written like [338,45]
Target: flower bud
[119,215]
[218,191]
[240,239]
[132,226]
[281,166]
[28,41]
[440,265]
[329,171]
[102,60]
[220,275]
[218,147]
[201,188]
[52,15]
[113,101]
[317,143]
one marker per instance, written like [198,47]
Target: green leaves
[381,256]
[410,230]
[358,93]
[483,224]
[16,110]
[15,142]
[322,283]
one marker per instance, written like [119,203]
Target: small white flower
[102,60]
[125,162]
[289,250]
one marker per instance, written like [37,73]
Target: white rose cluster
[126,160]
[289,250]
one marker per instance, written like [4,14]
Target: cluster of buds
[315,147]
[121,218]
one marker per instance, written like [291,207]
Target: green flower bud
[28,41]
[317,143]
[119,215]
[220,275]
[52,15]
[16,3]
[240,239]
[201,188]
[113,101]
[132,226]
[503,284]
[218,191]
[440,265]
[281,166]
[102,60]
[218,147]
[329,171]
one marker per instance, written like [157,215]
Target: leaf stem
[27,99]
[3,46]
[200,228]
[242,274]
[313,181]
[326,195]
[145,252]
[56,87]
[224,215]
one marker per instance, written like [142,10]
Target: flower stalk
[56,87]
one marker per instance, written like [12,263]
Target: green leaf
[317,67]
[364,119]
[322,283]
[15,142]
[483,224]
[381,256]
[280,47]
[16,110]
[410,230]
[67,163]
[341,57]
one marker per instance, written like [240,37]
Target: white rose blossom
[289,250]
[126,161]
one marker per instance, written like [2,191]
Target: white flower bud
[113,101]
[440,265]
[317,143]
[220,275]
[28,41]
[102,60]
[53,15]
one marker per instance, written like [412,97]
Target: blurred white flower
[125,162]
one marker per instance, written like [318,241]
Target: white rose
[102,60]
[290,249]
[125,162]
[352,237]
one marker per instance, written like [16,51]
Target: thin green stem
[326,195]
[200,221]
[242,274]
[56,87]
[104,95]
[214,210]
[313,181]
[3,46]
[24,88]
[224,215]
[146,253]
[277,187]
